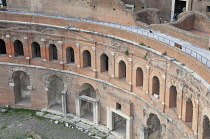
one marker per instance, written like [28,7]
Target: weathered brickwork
[136,85]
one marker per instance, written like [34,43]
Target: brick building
[137,86]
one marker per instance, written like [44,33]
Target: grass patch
[126,52]
[142,44]
[4,126]
[164,53]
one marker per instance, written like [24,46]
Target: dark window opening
[18,46]
[208,9]
[35,50]
[155,86]
[3,3]
[118,106]
[180,6]
[53,52]
[122,69]
[70,55]
[2,47]
[104,63]
[139,77]
[206,127]
[189,113]
[86,59]
[173,97]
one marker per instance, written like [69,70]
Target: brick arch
[135,67]
[119,74]
[99,53]
[161,83]
[76,52]
[205,125]
[86,81]
[46,79]
[20,69]
[18,48]
[20,38]
[92,60]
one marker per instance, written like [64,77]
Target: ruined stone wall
[202,22]
[149,16]
[109,10]
[185,22]
[163,5]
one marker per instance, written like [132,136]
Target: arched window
[18,46]
[173,97]
[35,50]
[53,52]
[189,112]
[70,55]
[104,63]
[139,77]
[122,69]
[155,86]
[206,127]
[2,47]
[86,59]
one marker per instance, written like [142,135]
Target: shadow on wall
[149,16]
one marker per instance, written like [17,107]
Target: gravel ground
[13,125]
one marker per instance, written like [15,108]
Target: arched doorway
[206,127]
[21,91]
[56,86]
[87,107]
[154,127]
[87,104]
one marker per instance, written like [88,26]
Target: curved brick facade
[150,94]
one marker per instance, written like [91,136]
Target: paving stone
[95,131]
[39,113]
[56,117]
[83,125]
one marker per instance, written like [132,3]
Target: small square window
[118,106]
[208,9]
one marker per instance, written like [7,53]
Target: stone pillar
[143,132]
[78,110]
[172,9]
[109,119]
[147,81]
[129,128]
[64,101]
[96,113]
[112,64]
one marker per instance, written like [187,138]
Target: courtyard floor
[15,123]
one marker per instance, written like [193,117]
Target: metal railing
[144,32]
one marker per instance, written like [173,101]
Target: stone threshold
[71,121]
